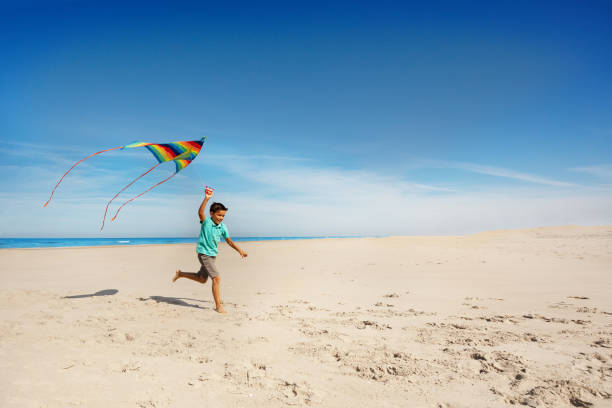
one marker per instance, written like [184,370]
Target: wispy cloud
[38,147]
[512,174]
[33,154]
[262,157]
[602,171]
[494,171]
[310,180]
[61,154]
[284,195]
[292,197]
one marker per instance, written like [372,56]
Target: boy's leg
[216,281]
[201,276]
[190,275]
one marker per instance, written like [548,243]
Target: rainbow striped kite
[181,153]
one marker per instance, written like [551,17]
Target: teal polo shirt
[210,235]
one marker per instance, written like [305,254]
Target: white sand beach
[487,320]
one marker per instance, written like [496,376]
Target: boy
[210,234]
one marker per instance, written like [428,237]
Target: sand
[487,320]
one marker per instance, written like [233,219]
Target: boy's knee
[216,280]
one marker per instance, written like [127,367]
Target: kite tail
[133,198]
[73,166]
[120,191]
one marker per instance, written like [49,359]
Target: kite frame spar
[181,153]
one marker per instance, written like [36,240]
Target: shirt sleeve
[225,233]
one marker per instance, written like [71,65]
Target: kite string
[199,175]
[133,198]
[73,166]
[120,191]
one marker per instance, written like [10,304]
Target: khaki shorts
[208,266]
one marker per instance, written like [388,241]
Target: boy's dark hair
[217,207]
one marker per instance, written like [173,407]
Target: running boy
[210,234]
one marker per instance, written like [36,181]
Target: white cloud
[328,201]
[288,176]
[252,214]
[602,171]
[493,171]
[277,196]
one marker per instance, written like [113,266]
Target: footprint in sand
[292,393]
[368,323]
[587,310]
[603,343]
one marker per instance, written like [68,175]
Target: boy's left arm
[240,251]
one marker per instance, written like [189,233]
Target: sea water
[87,242]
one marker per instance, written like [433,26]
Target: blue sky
[348,118]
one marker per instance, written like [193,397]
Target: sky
[321,118]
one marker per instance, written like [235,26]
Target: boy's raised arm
[201,211]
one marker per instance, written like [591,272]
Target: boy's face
[218,216]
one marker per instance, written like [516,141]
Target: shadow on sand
[105,292]
[176,301]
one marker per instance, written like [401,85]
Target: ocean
[88,242]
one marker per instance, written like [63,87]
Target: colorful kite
[181,153]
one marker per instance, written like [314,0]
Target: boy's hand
[208,192]
[243,254]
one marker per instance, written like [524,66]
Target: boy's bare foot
[220,309]
[176,275]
